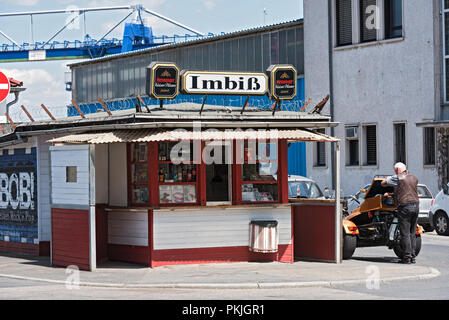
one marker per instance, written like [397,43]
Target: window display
[259,192]
[260,167]
[177,181]
[177,194]
[139,173]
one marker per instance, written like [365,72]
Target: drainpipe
[16,92]
[331,88]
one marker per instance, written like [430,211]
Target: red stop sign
[4,86]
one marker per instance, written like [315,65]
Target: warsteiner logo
[166,74]
[284,76]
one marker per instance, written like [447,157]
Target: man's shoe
[406,261]
[413,260]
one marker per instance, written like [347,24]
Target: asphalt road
[434,253]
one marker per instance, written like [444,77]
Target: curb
[433,273]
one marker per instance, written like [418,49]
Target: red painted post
[283,170]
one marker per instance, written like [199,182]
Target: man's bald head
[399,167]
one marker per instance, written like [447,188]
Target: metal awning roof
[149,135]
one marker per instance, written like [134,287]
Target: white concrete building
[381,63]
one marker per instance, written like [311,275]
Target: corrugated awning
[149,135]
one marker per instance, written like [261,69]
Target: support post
[92,220]
[27,113]
[338,224]
[10,121]
[245,105]
[78,109]
[104,106]
[202,105]
[48,112]
[143,102]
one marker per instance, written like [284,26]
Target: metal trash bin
[263,236]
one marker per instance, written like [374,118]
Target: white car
[438,215]
[425,202]
[302,187]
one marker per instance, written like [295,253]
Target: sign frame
[272,70]
[185,73]
[151,79]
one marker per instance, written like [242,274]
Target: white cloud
[27,3]
[42,87]
[209,4]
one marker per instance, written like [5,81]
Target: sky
[45,80]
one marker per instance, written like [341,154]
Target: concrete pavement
[242,275]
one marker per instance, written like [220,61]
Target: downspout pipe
[331,88]
[16,98]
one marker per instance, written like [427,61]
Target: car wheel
[349,245]
[400,252]
[441,222]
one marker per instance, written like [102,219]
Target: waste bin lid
[265,223]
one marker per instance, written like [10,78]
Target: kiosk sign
[223,83]
[162,80]
[282,81]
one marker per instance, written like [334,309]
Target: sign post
[4,86]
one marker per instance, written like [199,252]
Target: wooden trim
[150,237]
[220,255]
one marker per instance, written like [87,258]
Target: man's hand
[386,194]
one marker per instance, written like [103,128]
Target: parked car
[438,215]
[302,187]
[425,202]
[374,223]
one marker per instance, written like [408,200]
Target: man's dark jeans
[408,218]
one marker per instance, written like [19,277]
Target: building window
[259,175]
[71,174]
[370,145]
[399,143]
[344,22]
[320,152]
[177,175]
[393,18]
[140,190]
[429,146]
[368,31]
[352,146]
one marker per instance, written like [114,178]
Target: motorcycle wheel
[349,245]
[400,252]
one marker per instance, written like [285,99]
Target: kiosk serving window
[139,173]
[177,174]
[259,172]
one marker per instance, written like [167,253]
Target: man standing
[406,197]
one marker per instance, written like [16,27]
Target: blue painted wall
[18,196]
[297,164]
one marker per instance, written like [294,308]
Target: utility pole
[264,15]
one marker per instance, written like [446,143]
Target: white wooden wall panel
[70,192]
[118,175]
[205,228]
[128,228]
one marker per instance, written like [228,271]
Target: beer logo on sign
[166,74]
[163,80]
[282,82]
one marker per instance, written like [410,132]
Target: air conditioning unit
[352,132]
